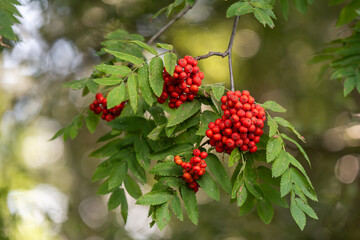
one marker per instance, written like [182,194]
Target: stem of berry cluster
[177,17]
[226,53]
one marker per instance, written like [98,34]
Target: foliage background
[47,185]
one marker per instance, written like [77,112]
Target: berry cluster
[193,169]
[241,124]
[184,84]
[99,107]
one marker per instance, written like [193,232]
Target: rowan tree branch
[177,17]
[226,53]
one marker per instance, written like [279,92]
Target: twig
[163,29]
[3,44]
[226,53]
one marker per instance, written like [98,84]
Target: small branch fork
[226,53]
[177,17]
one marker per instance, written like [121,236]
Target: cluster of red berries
[99,107]
[193,169]
[241,124]
[184,84]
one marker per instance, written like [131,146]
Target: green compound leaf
[125,57]
[349,85]
[205,118]
[176,207]
[132,187]
[285,183]
[299,180]
[248,205]
[265,210]
[154,198]
[165,46]
[185,111]
[117,70]
[284,8]
[91,120]
[179,149]
[163,216]
[135,168]
[170,60]
[299,147]
[273,195]
[108,81]
[209,186]
[273,127]
[155,75]
[128,123]
[144,85]
[189,198]
[297,214]
[166,169]
[280,165]
[219,173]
[218,91]
[263,17]
[238,9]
[124,205]
[241,196]
[156,132]
[102,171]
[76,84]
[116,96]
[273,148]
[142,151]
[133,91]
[114,200]
[145,46]
[117,174]
[234,157]
[306,208]
[288,125]
[273,106]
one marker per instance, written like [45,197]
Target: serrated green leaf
[306,208]
[118,34]
[241,196]
[133,91]
[108,81]
[248,205]
[218,171]
[117,174]
[238,9]
[265,210]
[299,147]
[170,60]
[280,165]
[124,205]
[145,46]
[117,70]
[298,179]
[142,151]
[205,118]
[166,169]
[180,149]
[144,85]
[209,186]
[273,195]
[263,17]
[165,46]
[218,91]
[298,215]
[92,86]
[128,123]
[132,187]
[154,198]
[285,183]
[273,106]
[348,13]
[176,207]
[265,174]
[273,127]
[114,200]
[296,164]
[116,96]
[349,85]
[234,157]
[288,125]
[101,171]
[341,73]
[125,57]
[273,148]
[155,133]
[76,84]
[185,111]
[163,216]
[155,75]
[91,121]
[189,198]
[103,189]
[135,168]
[173,182]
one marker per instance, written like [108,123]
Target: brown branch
[226,53]
[177,17]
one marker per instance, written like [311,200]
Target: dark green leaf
[280,165]
[180,149]
[142,151]
[209,186]
[163,216]
[145,46]
[114,200]
[154,198]
[273,148]
[170,60]
[284,8]
[124,205]
[166,169]
[145,85]
[185,111]
[176,207]
[102,171]
[241,196]
[133,91]
[135,167]
[306,208]
[117,70]
[116,96]
[103,189]
[248,205]
[128,123]
[285,183]
[348,13]
[132,187]
[125,57]
[219,172]
[173,182]
[265,174]
[155,75]
[117,174]
[298,215]
[265,210]
[205,118]
[349,85]
[77,84]
[156,132]
[301,5]
[238,9]
[91,121]
[189,198]
[108,81]
[273,195]
[303,184]
[273,106]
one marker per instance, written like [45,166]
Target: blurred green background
[45,187]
